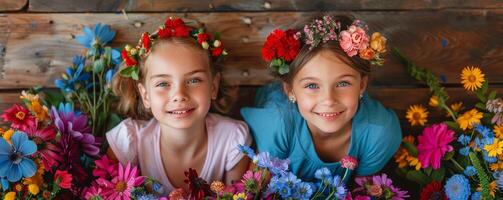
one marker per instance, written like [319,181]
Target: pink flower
[93,191]
[64,179]
[250,175]
[105,168]
[349,162]
[433,144]
[360,197]
[121,186]
[20,117]
[48,151]
[353,40]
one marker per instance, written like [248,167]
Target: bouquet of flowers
[271,179]
[459,157]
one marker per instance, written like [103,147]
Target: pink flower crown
[172,27]
[281,47]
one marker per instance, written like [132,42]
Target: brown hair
[130,103]
[305,55]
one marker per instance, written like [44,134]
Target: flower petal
[28,147]
[18,138]
[27,167]
[14,173]
[5,164]
[5,148]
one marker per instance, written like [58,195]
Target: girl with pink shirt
[172,76]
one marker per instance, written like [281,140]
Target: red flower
[105,168]
[217,51]
[174,28]
[434,190]
[128,60]
[48,151]
[349,162]
[280,44]
[63,178]
[202,37]
[145,41]
[20,117]
[198,187]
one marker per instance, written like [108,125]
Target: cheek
[306,103]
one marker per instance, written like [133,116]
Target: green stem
[457,164]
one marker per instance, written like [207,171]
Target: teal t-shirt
[278,128]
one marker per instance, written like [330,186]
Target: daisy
[417,115]
[122,185]
[472,78]
[469,118]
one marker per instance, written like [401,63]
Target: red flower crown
[281,47]
[172,27]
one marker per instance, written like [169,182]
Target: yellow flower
[217,186]
[10,196]
[403,158]
[492,188]
[36,179]
[240,196]
[496,166]
[378,42]
[495,149]
[7,134]
[28,96]
[498,131]
[455,107]
[433,101]
[41,112]
[472,78]
[417,115]
[33,188]
[469,118]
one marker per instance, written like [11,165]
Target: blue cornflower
[247,151]
[109,75]
[157,187]
[338,185]
[101,34]
[284,191]
[457,187]
[476,196]
[498,176]
[290,179]
[147,197]
[303,191]
[464,139]
[487,158]
[116,57]
[74,77]
[14,161]
[484,131]
[470,171]
[464,151]
[323,174]
[5,183]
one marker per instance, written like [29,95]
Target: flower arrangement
[281,47]
[462,156]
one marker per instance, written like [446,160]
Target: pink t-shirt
[138,142]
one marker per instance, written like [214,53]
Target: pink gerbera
[20,117]
[121,186]
[433,144]
[48,151]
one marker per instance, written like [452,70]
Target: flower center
[20,115]
[435,196]
[121,186]
[472,78]
[416,116]
[38,140]
[16,157]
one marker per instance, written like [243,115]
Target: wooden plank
[12,5]
[40,46]
[244,5]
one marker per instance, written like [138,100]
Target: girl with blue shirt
[320,112]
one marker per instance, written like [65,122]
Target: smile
[329,115]
[181,113]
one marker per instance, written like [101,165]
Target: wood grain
[39,46]
[12,5]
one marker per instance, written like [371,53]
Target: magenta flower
[368,185]
[105,168]
[19,117]
[349,162]
[93,192]
[122,185]
[433,144]
[48,151]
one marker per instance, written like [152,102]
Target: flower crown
[172,27]
[281,47]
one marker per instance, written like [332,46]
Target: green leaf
[98,66]
[126,72]
[480,105]
[284,69]
[492,95]
[113,120]
[53,98]
[410,148]
[481,174]
[452,125]
[428,171]
[439,174]
[449,155]
[134,75]
[418,177]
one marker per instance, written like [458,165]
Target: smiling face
[178,86]
[327,92]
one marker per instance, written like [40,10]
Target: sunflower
[417,115]
[472,78]
[469,118]
[498,131]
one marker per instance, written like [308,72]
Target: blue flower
[303,191]
[157,187]
[322,174]
[290,179]
[487,158]
[484,131]
[147,197]
[75,77]
[5,183]
[470,171]
[101,34]
[464,151]
[116,57]
[464,139]
[476,196]
[284,191]
[338,185]
[247,151]
[498,176]
[457,187]
[109,75]
[14,161]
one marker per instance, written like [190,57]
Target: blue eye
[311,86]
[343,84]
[162,84]
[193,81]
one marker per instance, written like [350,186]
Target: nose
[179,94]
[329,97]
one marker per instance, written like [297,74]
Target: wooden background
[37,38]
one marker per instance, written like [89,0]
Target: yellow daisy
[433,101]
[33,189]
[417,115]
[469,118]
[498,131]
[496,166]
[240,196]
[472,78]
[494,149]
[455,107]
[10,196]
[41,112]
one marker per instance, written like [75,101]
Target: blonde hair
[130,103]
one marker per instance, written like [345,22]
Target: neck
[187,141]
[320,135]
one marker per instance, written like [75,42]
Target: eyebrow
[314,78]
[187,74]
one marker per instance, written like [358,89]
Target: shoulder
[381,120]
[123,138]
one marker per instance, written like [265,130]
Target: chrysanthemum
[433,144]
[494,149]
[498,131]
[37,179]
[472,78]
[417,115]
[121,186]
[457,187]
[469,119]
